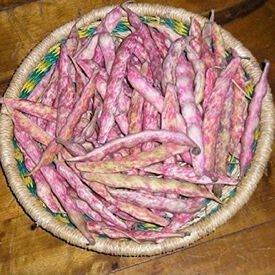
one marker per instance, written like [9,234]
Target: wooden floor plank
[10,208]
[24,25]
[233,254]
[39,253]
[3,87]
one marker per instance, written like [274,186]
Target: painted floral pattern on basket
[50,59]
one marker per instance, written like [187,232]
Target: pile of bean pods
[137,129]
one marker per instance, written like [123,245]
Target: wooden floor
[244,245]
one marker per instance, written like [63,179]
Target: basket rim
[130,248]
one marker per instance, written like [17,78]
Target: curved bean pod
[253,119]
[135,139]
[150,184]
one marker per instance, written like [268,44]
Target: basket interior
[122,30]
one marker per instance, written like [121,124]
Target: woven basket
[38,63]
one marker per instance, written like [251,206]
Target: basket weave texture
[39,62]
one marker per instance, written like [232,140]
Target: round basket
[38,63]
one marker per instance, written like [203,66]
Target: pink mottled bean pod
[80,108]
[42,188]
[207,56]
[150,122]
[122,122]
[190,111]
[98,57]
[151,94]
[107,47]
[141,53]
[212,115]
[32,108]
[114,86]
[73,118]
[210,79]
[170,110]
[83,206]
[196,33]
[161,41]
[140,84]
[170,62]
[138,160]
[169,113]
[89,67]
[85,194]
[207,30]
[168,33]
[110,21]
[154,201]
[88,51]
[107,25]
[223,142]
[150,184]
[80,78]
[65,104]
[72,42]
[187,174]
[56,182]
[123,101]
[218,45]
[135,139]
[75,149]
[135,117]
[253,119]
[151,117]
[148,42]
[84,121]
[63,66]
[179,220]
[199,69]
[26,124]
[51,128]
[90,129]
[239,111]
[49,97]
[123,215]
[139,213]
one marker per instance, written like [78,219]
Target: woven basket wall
[40,61]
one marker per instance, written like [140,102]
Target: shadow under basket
[39,62]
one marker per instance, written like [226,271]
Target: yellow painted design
[249,89]
[257,134]
[125,21]
[62,219]
[153,19]
[27,180]
[55,49]
[18,155]
[226,200]
[43,66]
[42,203]
[29,85]
[180,28]
[149,225]
[82,33]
